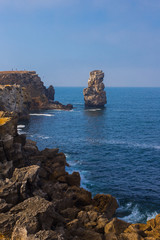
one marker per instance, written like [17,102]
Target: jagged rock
[50,92]
[14,98]
[110,236]
[78,196]
[83,234]
[42,201]
[101,222]
[58,105]
[116,226]
[94,95]
[20,185]
[29,217]
[46,235]
[70,213]
[130,236]
[105,203]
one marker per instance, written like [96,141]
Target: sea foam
[41,114]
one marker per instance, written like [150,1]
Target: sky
[63,40]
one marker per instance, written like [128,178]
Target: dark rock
[105,204]
[50,93]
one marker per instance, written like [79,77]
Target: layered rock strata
[28,91]
[94,95]
[39,200]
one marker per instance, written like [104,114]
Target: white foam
[41,114]
[44,137]
[93,110]
[134,216]
[20,126]
[67,155]
[151,215]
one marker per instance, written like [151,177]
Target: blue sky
[63,40]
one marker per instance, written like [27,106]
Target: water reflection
[95,121]
[94,112]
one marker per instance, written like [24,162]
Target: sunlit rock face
[94,95]
[31,82]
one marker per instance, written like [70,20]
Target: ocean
[115,149]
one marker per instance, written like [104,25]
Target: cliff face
[94,95]
[14,98]
[35,88]
[23,91]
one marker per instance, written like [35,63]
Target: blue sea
[115,149]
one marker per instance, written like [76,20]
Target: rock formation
[94,95]
[14,98]
[39,200]
[26,92]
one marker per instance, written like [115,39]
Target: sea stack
[94,95]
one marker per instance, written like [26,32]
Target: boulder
[29,217]
[106,204]
[116,226]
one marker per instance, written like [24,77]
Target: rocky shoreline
[40,200]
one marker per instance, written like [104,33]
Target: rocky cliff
[14,98]
[28,91]
[94,95]
[39,200]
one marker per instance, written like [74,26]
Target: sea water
[115,149]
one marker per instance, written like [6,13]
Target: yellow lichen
[4,120]
[2,237]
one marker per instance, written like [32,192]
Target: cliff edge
[23,91]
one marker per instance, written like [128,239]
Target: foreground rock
[23,91]
[40,200]
[94,95]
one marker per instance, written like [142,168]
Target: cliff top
[17,72]
[96,72]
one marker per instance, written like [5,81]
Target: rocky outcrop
[94,95]
[40,200]
[23,91]
[14,98]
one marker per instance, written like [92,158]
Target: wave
[127,144]
[151,215]
[133,213]
[39,136]
[41,114]
[20,126]
[67,155]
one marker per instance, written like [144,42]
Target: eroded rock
[94,95]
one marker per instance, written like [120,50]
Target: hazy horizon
[63,40]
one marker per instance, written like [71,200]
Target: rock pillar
[94,95]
